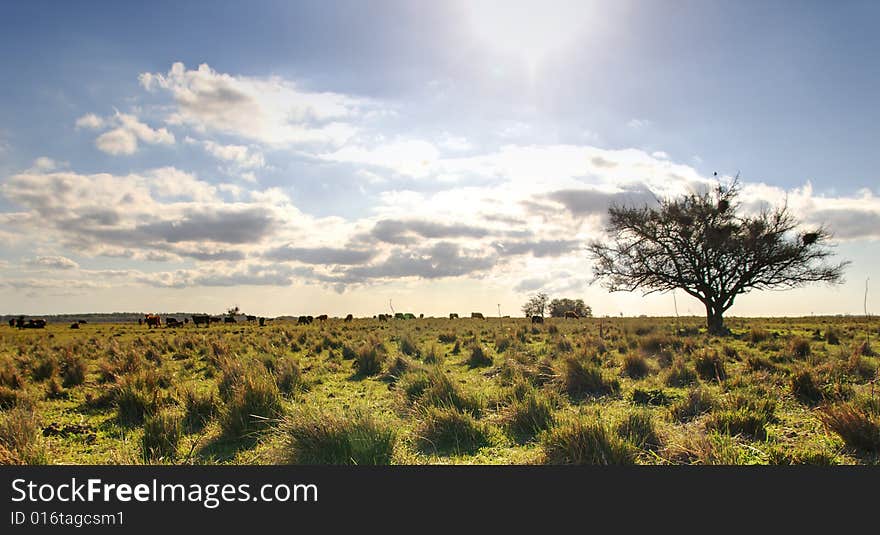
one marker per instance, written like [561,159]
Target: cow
[262,321]
[215,319]
[477,315]
[12,322]
[32,324]
[152,320]
[251,318]
[322,317]
[303,320]
[421,316]
[172,322]
[383,317]
[229,319]
[537,319]
[201,319]
[140,321]
[349,317]
[74,325]
[571,314]
[453,316]
[81,322]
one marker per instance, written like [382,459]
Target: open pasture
[468,391]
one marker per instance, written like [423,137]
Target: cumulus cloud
[270,110]
[128,132]
[241,156]
[319,255]
[52,262]
[400,232]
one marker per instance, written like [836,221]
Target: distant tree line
[541,304]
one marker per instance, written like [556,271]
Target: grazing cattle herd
[155,320]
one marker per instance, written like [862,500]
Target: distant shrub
[585,440]
[315,436]
[162,433]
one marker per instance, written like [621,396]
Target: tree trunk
[715,319]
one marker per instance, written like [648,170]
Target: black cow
[477,315]
[12,322]
[453,316]
[74,325]
[172,322]
[262,321]
[537,319]
[322,317]
[32,324]
[216,319]
[304,320]
[349,317]
[201,319]
[384,317]
[228,319]
[251,318]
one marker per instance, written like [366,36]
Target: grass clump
[317,436]
[199,407]
[254,402]
[698,401]
[407,345]
[162,433]
[709,365]
[530,413]
[135,396]
[585,440]
[680,374]
[858,426]
[370,357]
[650,396]
[73,370]
[21,439]
[434,387]
[635,365]
[584,380]
[479,357]
[799,348]
[804,387]
[639,430]
[446,430]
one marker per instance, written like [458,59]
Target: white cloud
[241,156]
[90,121]
[270,110]
[124,138]
[52,262]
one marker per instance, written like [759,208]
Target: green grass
[776,391]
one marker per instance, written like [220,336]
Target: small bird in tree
[701,244]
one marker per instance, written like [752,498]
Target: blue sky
[296,156]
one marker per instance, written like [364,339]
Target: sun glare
[530,29]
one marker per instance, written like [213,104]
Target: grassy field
[468,391]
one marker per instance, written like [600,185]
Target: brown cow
[152,320]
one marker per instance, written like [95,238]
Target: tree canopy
[702,244]
[558,307]
[536,305]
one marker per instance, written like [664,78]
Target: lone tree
[558,308]
[536,305]
[702,245]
